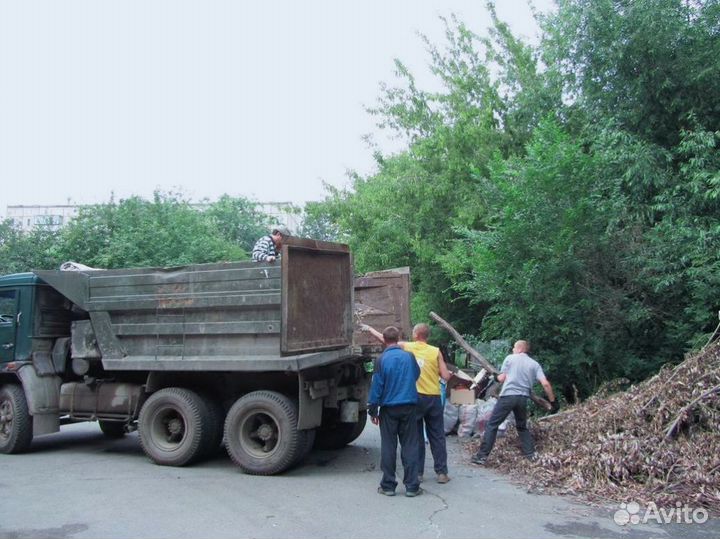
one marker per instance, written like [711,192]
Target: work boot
[413,493]
[443,478]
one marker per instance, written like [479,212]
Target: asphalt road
[77,484]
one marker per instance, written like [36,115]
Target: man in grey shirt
[519,372]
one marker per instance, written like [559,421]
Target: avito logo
[630,513]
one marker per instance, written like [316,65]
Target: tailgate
[382,298]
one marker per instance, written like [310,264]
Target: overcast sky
[258,99]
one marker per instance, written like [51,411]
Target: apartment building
[29,218]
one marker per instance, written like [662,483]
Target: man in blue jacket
[393,406]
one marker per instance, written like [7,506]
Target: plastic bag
[485,409]
[450,416]
[468,415]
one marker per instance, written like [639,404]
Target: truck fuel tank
[100,399]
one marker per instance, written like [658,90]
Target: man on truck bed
[267,248]
[430,409]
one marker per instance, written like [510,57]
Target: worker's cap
[282,230]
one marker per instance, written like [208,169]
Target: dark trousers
[399,423]
[511,403]
[430,414]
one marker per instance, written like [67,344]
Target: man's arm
[416,367]
[503,372]
[445,373]
[376,390]
[555,405]
[261,250]
[375,333]
[372,331]
[548,389]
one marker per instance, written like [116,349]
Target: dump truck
[256,357]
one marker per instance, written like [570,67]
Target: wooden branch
[542,403]
[672,431]
[480,358]
[464,345]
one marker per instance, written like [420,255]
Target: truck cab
[32,316]
[13,290]
[34,320]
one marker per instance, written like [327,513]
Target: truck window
[8,311]
[8,306]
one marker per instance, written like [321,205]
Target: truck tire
[174,427]
[112,429]
[338,435]
[16,429]
[261,433]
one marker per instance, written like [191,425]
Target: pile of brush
[659,441]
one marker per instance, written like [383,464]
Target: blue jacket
[394,380]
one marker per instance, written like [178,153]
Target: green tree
[550,269]
[407,212]
[565,193]
[319,222]
[20,252]
[646,63]
[643,78]
[166,231]
[239,220]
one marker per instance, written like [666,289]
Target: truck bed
[225,316]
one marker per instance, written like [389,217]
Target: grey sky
[257,99]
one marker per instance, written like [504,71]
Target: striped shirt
[264,247]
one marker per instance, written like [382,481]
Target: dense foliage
[165,231]
[567,192]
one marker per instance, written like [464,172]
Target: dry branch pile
[658,441]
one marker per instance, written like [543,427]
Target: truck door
[8,323]
[382,298]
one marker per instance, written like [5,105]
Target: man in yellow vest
[429,408]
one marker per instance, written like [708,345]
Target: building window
[48,221]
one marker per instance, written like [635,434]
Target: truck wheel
[16,430]
[338,435]
[112,429]
[261,433]
[174,426]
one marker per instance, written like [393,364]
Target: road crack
[431,524]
